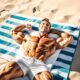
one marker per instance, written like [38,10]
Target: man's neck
[42,34]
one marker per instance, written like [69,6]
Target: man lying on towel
[36,48]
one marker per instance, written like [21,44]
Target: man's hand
[43,76]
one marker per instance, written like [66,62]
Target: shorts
[31,66]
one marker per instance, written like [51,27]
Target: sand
[61,11]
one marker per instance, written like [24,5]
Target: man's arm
[54,31]
[63,40]
[17,33]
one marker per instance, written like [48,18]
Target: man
[36,48]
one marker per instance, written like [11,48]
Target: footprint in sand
[67,17]
[61,18]
[8,6]
[54,10]
[36,9]
[75,20]
[79,20]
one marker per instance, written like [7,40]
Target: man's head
[44,26]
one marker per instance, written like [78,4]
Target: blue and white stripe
[8,48]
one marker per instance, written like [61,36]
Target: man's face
[44,27]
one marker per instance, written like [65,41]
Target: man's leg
[10,71]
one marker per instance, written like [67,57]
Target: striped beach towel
[9,49]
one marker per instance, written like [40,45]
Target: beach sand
[61,11]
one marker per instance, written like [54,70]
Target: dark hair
[46,19]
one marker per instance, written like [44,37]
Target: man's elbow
[65,42]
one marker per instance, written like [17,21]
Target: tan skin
[19,37]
